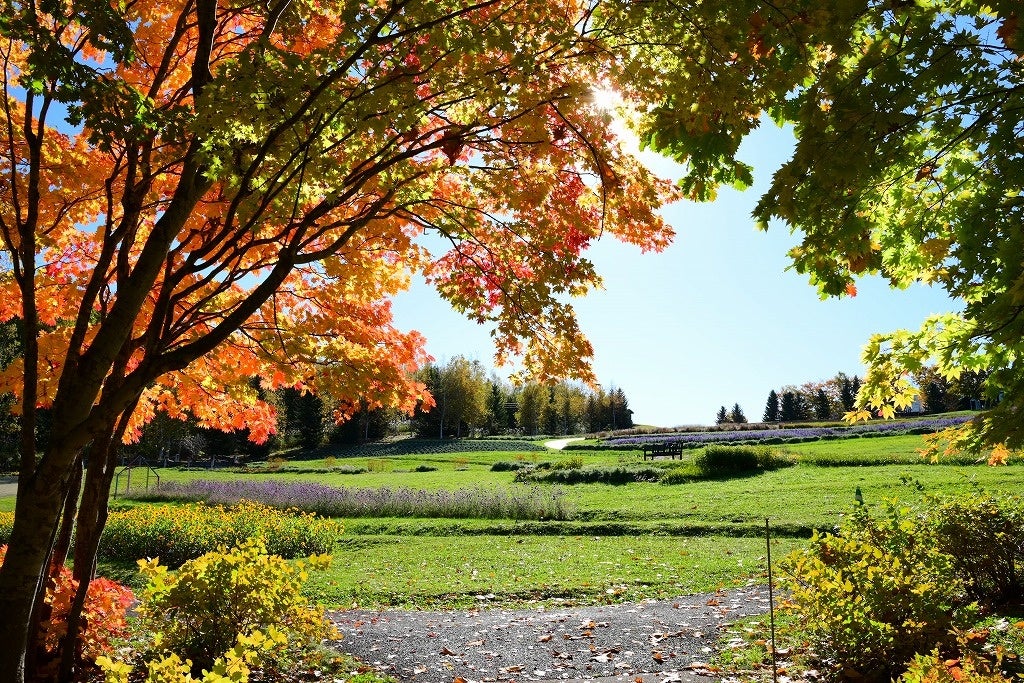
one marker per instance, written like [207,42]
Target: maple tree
[198,192]
[907,161]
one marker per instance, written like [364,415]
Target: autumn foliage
[105,610]
[195,194]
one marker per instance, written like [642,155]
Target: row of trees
[468,401]
[826,400]
[832,398]
[734,416]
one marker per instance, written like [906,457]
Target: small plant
[571,463]
[275,464]
[424,468]
[330,462]
[378,465]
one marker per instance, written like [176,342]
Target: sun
[606,98]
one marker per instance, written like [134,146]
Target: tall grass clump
[519,503]
[727,461]
[177,533]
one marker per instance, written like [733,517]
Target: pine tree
[771,408]
[736,414]
[847,395]
[722,417]
[822,405]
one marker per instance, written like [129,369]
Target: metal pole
[771,599]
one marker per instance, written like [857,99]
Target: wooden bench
[653,450]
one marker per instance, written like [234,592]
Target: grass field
[622,543]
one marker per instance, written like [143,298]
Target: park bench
[653,450]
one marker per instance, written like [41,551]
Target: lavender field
[521,503]
[784,435]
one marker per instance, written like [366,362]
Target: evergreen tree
[722,417]
[736,414]
[847,393]
[622,416]
[497,414]
[771,408]
[789,412]
[822,405]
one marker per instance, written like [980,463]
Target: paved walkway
[559,444]
[658,641]
[8,487]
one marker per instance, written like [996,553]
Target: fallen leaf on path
[544,638]
[448,653]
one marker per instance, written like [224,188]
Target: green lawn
[625,542]
[514,570]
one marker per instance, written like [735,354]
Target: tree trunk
[92,517]
[25,567]
[67,519]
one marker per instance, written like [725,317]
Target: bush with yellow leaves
[223,612]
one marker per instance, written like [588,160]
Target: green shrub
[593,475]
[573,463]
[506,466]
[876,593]
[724,461]
[424,468]
[984,536]
[349,469]
[680,476]
[200,612]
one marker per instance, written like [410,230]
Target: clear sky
[713,320]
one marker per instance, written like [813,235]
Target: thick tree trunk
[25,567]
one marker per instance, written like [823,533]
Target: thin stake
[771,599]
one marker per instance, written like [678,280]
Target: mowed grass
[514,571]
[624,543]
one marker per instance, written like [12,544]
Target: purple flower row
[700,438]
[534,503]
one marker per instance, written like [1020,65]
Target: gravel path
[660,641]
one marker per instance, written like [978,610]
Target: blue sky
[713,320]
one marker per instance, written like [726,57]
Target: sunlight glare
[605,98]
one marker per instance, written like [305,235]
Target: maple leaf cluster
[237,191]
